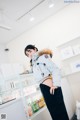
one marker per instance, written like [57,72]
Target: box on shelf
[35,103]
[75,66]
[66,52]
[76,49]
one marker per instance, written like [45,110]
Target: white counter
[14,110]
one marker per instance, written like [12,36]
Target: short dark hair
[30,47]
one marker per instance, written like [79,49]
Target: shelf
[9,90]
[17,76]
[70,42]
[11,78]
[70,57]
[70,73]
[21,83]
[38,112]
[32,94]
[9,103]
[26,74]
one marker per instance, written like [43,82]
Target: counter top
[9,103]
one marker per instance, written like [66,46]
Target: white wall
[60,28]
[56,30]
[3,54]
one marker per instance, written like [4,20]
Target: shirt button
[42,74]
[44,64]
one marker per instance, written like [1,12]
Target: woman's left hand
[52,89]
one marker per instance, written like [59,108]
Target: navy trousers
[54,103]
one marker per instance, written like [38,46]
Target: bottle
[33,107]
[30,112]
[37,105]
[41,102]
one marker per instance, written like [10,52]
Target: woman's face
[30,52]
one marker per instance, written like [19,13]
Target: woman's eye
[30,51]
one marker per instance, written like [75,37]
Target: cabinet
[22,87]
[70,56]
[12,110]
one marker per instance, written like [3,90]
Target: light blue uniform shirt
[43,66]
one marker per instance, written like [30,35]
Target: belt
[49,77]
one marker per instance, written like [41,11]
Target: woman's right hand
[52,89]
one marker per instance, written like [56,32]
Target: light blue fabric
[44,65]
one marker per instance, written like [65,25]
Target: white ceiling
[15,14]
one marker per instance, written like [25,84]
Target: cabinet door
[13,111]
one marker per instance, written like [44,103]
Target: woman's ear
[35,50]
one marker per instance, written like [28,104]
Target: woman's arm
[27,72]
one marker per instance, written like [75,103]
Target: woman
[47,74]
